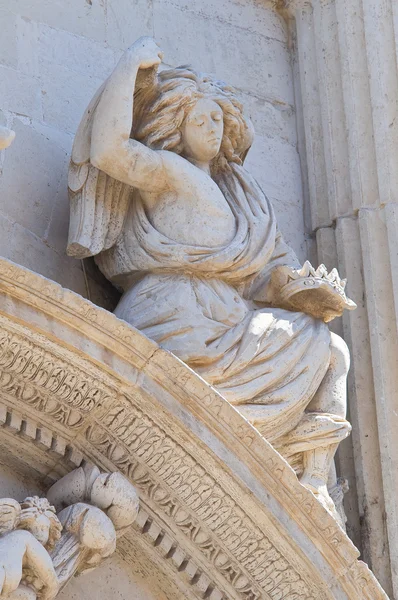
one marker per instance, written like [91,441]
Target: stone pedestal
[347,92]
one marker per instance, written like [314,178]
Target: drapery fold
[200,303]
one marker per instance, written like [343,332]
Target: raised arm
[112,149]
[261,288]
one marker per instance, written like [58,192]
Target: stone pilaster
[345,57]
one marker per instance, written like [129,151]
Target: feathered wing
[98,202]
[98,210]
[9,512]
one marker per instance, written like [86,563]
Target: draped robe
[206,305]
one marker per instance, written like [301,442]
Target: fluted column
[347,97]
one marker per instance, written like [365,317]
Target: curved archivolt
[222,514]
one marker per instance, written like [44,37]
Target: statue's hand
[314,292]
[146,51]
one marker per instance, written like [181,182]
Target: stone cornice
[217,500]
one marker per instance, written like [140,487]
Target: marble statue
[29,531]
[98,508]
[159,195]
[40,550]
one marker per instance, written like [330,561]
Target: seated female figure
[188,235]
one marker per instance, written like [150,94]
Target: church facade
[196,443]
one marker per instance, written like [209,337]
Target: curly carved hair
[160,110]
[34,506]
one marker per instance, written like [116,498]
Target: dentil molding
[221,513]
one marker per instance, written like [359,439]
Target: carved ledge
[222,514]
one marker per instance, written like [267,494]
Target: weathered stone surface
[358,94]
[346,56]
[77,54]
[220,513]
[20,93]
[83,18]
[20,187]
[200,41]
[53,58]
[8,41]
[40,551]
[268,157]
[29,532]
[251,15]
[202,237]
[125,22]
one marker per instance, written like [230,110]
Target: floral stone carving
[29,532]
[40,550]
[160,196]
[222,515]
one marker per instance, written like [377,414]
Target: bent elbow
[108,159]
[99,160]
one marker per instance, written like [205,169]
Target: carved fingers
[312,291]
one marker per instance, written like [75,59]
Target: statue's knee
[340,355]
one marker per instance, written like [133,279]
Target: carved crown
[330,288]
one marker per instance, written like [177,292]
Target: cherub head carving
[35,515]
[39,517]
[194,115]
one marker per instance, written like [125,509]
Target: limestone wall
[222,516]
[54,55]
[347,78]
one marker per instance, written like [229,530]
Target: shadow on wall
[102,293]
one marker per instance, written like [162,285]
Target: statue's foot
[319,489]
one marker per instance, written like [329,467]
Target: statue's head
[39,518]
[202,130]
[194,115]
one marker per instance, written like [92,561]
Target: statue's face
[40,528]
[202,130]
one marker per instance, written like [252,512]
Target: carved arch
[222,513]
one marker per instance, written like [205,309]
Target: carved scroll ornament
[202,520]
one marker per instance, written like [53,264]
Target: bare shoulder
[176,167]
[172,160]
